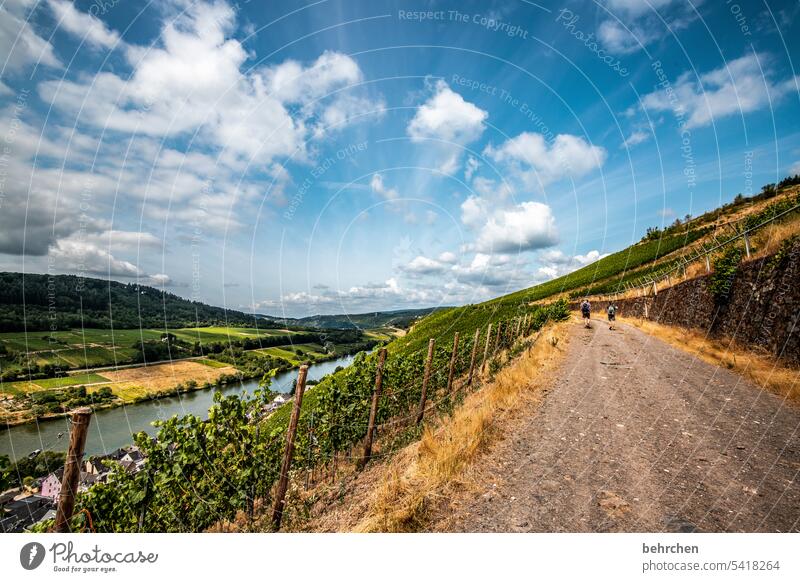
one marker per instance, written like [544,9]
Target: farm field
[90,348]
[291,354]
[131,384]
[18,388]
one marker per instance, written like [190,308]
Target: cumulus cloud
[386,295]
[83,25]
[448,257]
[525,227]
[195,81]
[535,162]
[421,265]
[20,45]
[75,255]
[474,211]
[555,263]
[449,119]
[741,86]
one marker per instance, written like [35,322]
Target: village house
[23,512]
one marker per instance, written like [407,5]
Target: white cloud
[635,138]
[555,263]
[795,168]
[83,25]
[195,82]
[377,186]
[423,266]
[526,227]
[448,257]
[530,159]
[491,190]
[636,24]
[74,255]
[493,271]
[637,7]
[290,82]
[446,117]
[738,87]
[20,45]
[160,280]
[384,295]
[474,211]
[619,39]
[123,240]
[471,168]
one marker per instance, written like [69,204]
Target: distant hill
[400,318]
[68,301]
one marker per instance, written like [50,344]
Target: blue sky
[351,156]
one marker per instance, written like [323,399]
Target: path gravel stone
[636,435]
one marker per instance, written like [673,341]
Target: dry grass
[762,370]
[420,475]
[130,383]
[768,240]
[765,241]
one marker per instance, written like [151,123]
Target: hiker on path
[586,311]
[612,315]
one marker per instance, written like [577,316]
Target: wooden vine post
[453,357]
[747,245]
[486,349]
[424,397]
[472,357]
[72,468]
[708,264]
[283,480]
[497,339]
[373,411]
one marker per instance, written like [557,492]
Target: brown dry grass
[768,240]
[424,472]
[130,383]
[762,370]
[765,241]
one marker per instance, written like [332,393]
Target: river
[112,428]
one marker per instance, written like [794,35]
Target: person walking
[586,311]
[612,315]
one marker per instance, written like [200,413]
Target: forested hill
[68,301]
[400,318]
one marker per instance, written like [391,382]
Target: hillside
[78,302]
[373,320]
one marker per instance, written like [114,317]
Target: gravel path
[635,435]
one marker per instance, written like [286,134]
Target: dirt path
[635,435]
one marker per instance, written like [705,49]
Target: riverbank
[112,427]
[133,385]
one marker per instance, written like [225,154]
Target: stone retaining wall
[762,310]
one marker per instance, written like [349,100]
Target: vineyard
[199,472]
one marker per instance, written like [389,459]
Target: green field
[290,352]
[90,348]
[17,388]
